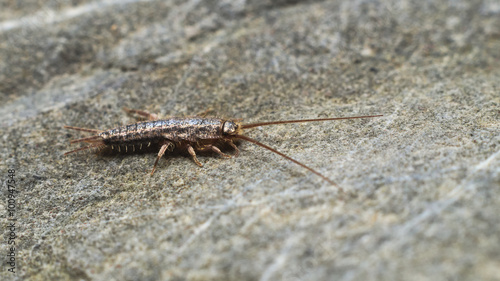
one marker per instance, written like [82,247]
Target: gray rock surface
[422,183]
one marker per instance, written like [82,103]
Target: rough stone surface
[422,183]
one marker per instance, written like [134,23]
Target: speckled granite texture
[422,183]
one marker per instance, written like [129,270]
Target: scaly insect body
[184,133]
[174,129]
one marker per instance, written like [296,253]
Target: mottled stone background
[422,183]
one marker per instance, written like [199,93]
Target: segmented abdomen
[174,129]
